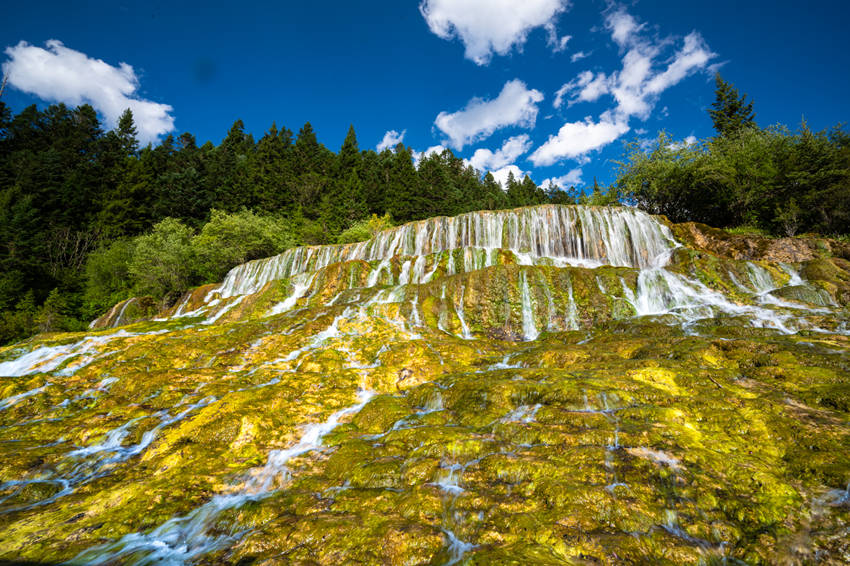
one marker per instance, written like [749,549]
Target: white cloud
[694,55]
[492,26]
[571,179]
[515,106]
[635,88]
[391,139]
[623,27]
[60,74]
[501,175]
[576,139]
[578,56]
[557,44]
[486,160]
[586,87]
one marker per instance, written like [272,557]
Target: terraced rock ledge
[547,385]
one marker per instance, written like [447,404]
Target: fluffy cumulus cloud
[576,139]
[516,105]
[486,160]
[634,88]
[623,27]
[391,139]
[59,74]
[493,26]
[571,179]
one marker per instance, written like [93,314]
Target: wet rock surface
[516,406]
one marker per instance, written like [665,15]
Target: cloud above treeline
[649,65]
[59,74]
[488,27]
[486,160]
[634,88]
[391,139]
[516,105]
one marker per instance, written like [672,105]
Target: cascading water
[529,325]
[202,445]
[560,237]
[185,538]
[565,235]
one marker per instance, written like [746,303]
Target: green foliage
[163,261]
[730,112]
[772,179]
[230,239]
[365,229]
[107,276]
[600,197]
[55,314]
[19,322]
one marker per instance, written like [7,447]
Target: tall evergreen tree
[730,111]
[127,133]
[403,199]
[229,170]
[348,158]
[272,170]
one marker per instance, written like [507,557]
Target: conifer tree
[730,111]
[348,157]
[127,133]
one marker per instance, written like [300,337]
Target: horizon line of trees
[88,218]
[70,191]
[768,179]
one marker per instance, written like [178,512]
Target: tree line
[89,218]
[771,179]
[83,209]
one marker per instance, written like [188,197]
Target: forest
[88,218]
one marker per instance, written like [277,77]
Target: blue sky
[548,87]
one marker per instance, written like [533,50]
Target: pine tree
[127,132]
[730,111]
[348,158]
[403,198]
[271,170]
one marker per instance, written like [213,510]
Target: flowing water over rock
[546,385]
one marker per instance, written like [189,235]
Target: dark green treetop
[730,112]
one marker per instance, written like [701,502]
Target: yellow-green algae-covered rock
[548,385]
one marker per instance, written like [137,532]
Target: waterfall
[567,235]
[572,312]
[555,236]
[465,333]
[529,326]
[660,292]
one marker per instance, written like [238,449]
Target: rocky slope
[546,385]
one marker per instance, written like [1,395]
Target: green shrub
[365,229]
[230,239]
[163,263]
[107,276]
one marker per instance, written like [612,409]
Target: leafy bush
[365,229]
[163,263]
[771,179]
[230,239]
[19,323]
[107,276]
[55,314]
